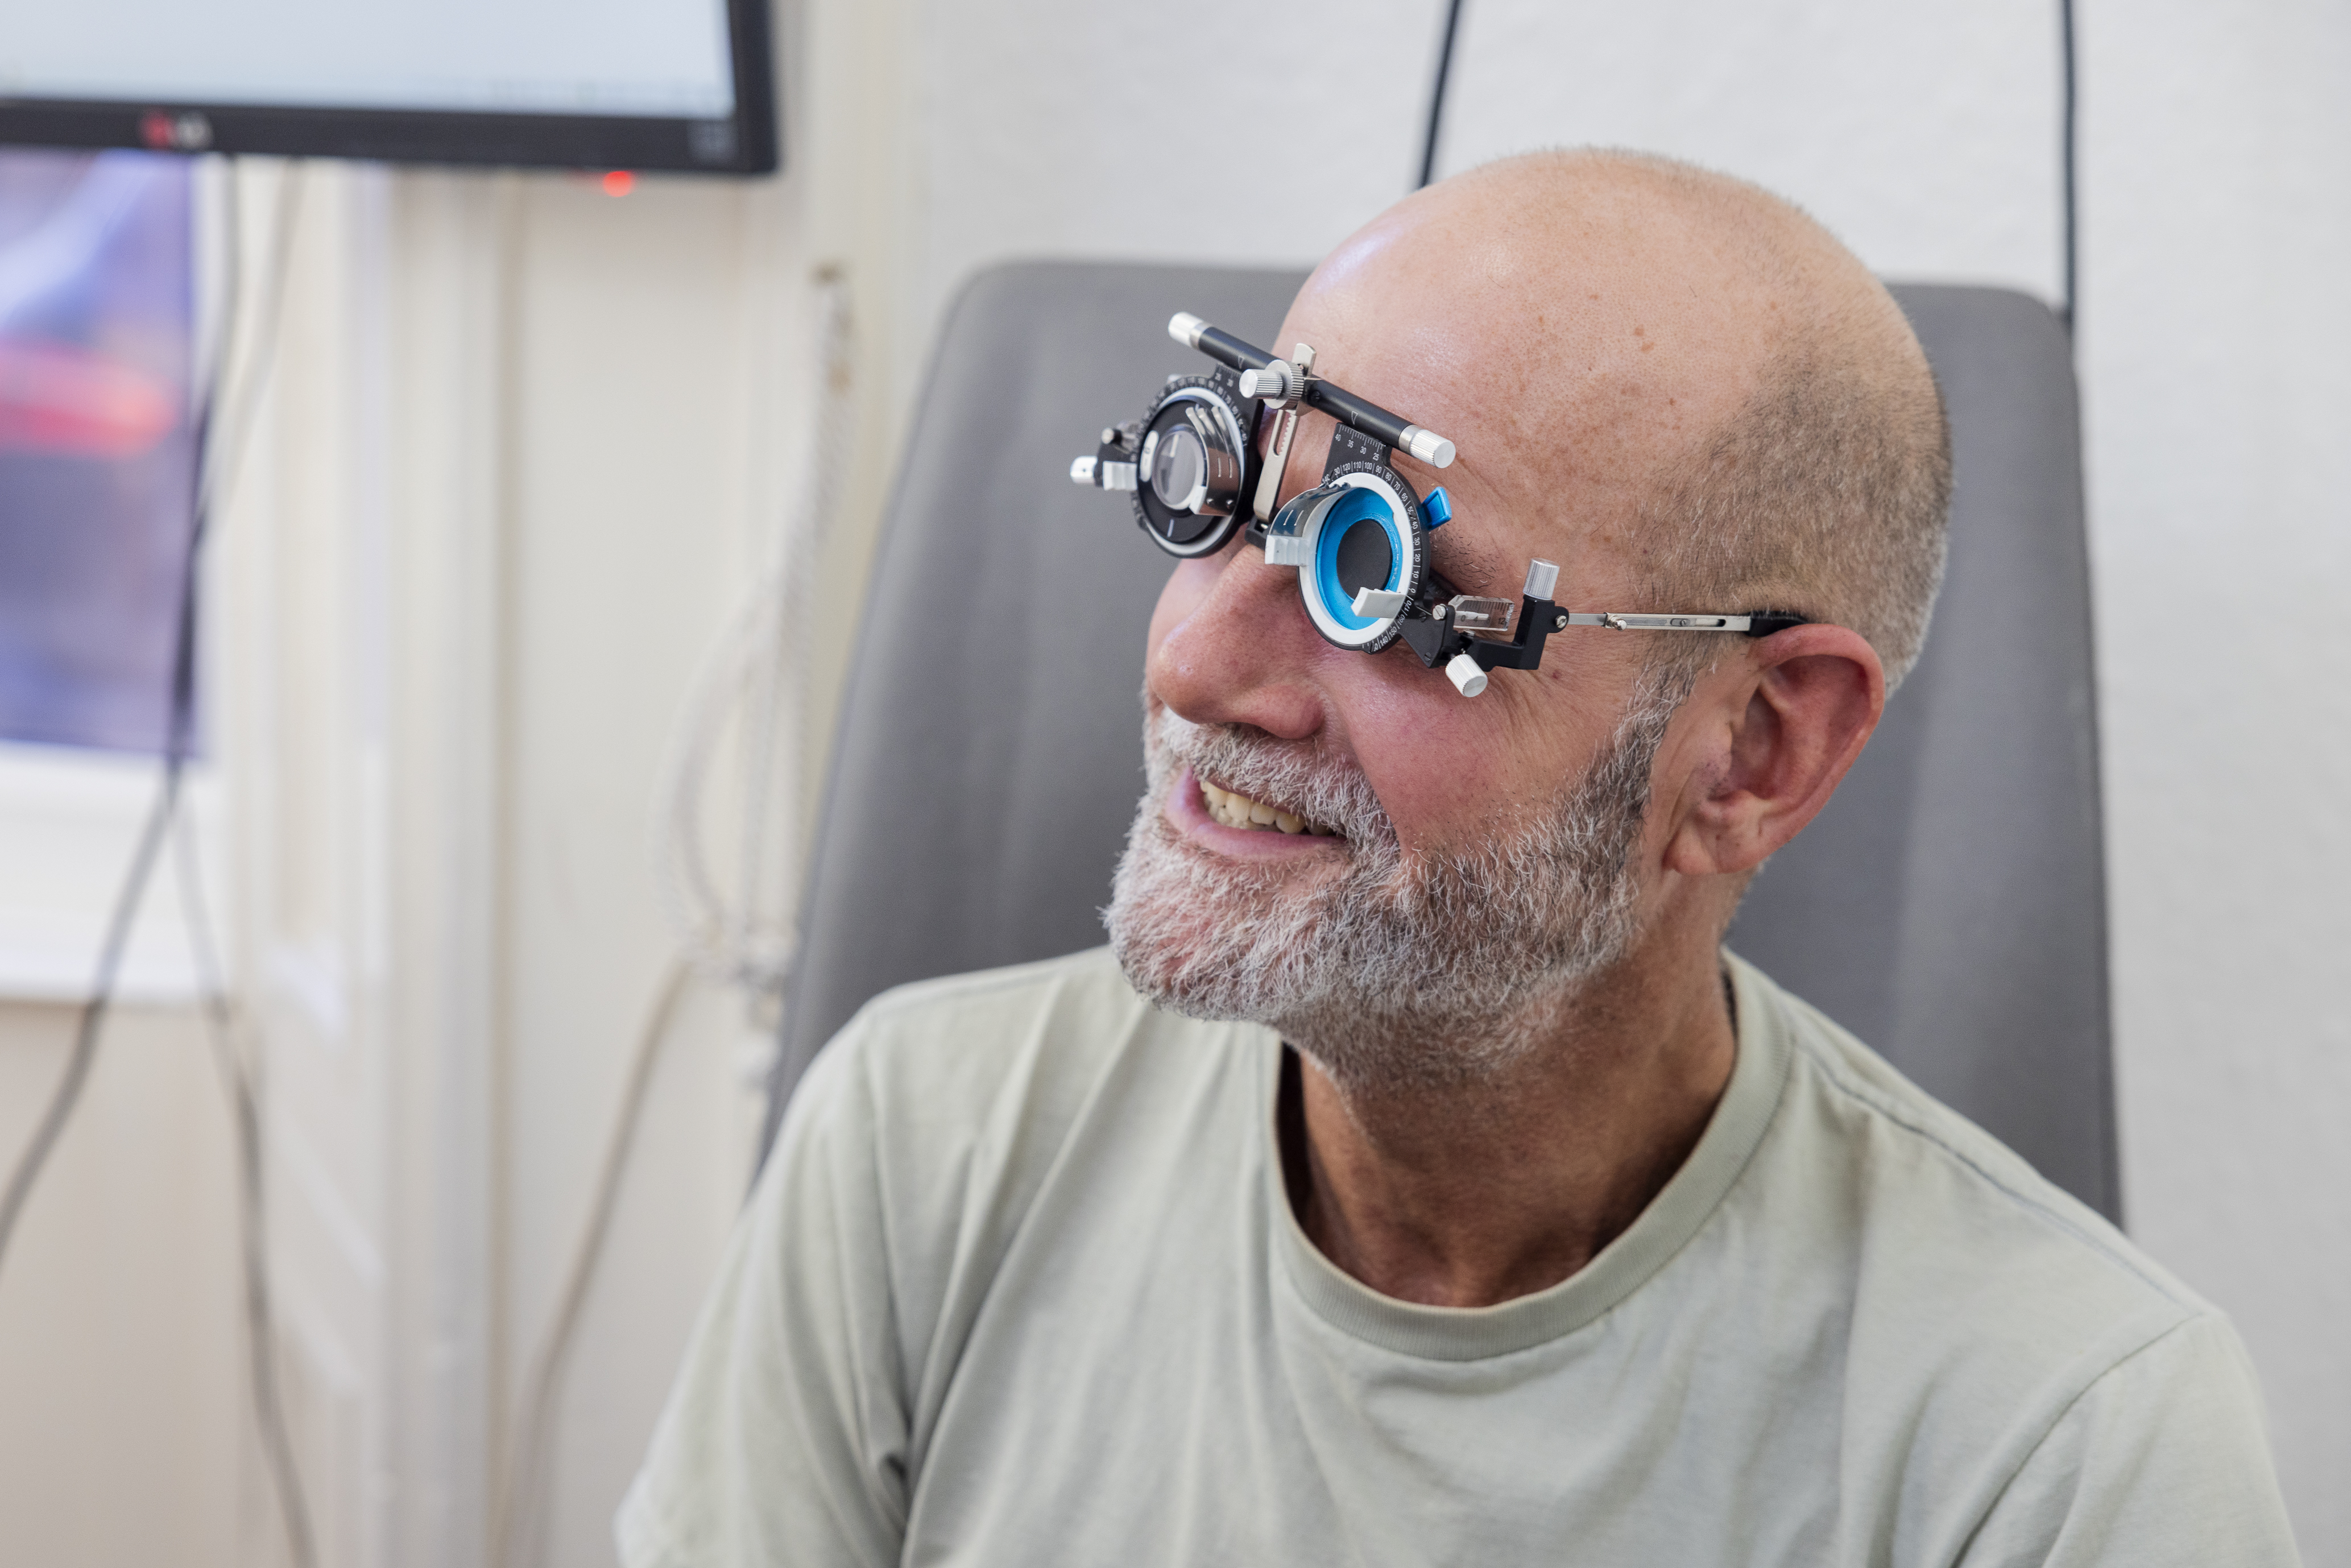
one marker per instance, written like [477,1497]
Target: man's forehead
[1565,377]
[1528,328]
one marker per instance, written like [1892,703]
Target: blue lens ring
[1356,495]
[1348,510]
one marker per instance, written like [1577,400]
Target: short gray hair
[1826,495]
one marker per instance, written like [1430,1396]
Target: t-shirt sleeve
[784,1439]
[2161,1462]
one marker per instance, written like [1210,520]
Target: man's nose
[1245,653]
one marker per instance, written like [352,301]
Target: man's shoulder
[1090,972]
[971,1086]
[1927,1162]
[2008,1359]
[965,1037]
[1976,1285]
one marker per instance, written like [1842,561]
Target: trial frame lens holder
[1358,539]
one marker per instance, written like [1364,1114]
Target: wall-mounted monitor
[579,84]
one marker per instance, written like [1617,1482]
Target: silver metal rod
[1617,621]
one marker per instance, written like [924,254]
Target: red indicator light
[619,182]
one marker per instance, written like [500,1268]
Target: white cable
[240,1070]
[754,684]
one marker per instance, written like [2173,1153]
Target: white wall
[645,345]
[123,1433]
[2216,342]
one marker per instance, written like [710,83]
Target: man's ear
[1775,733]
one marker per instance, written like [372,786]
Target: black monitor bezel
[747,143]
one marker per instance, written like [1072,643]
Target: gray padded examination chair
[1949,906]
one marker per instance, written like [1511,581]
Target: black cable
[67,1092]
[241,1079]
[240,1075]
[2069,311]
[1436,93]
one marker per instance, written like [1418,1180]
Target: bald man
[1431,1186]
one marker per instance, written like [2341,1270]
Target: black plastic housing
[744,142]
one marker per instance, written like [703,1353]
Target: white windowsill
[69,822]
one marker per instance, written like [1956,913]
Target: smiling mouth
[1232,808]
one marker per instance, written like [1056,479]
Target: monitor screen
[593,84]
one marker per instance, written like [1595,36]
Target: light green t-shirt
[1021,1286]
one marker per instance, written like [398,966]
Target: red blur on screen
[67,400]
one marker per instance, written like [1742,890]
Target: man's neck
[1467,1194]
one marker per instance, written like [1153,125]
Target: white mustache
[1316,785]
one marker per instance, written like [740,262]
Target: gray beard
[1395,970]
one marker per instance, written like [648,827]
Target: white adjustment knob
[1467,677]
[1277,382]
[1185,328]
[1542,579]
[1428,447]
[1081,472]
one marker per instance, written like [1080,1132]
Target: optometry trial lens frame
[1358,539]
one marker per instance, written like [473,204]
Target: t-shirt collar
[1472,1333]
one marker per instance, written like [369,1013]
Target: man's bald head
[1689,370]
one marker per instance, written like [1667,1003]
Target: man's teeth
[1234,810]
